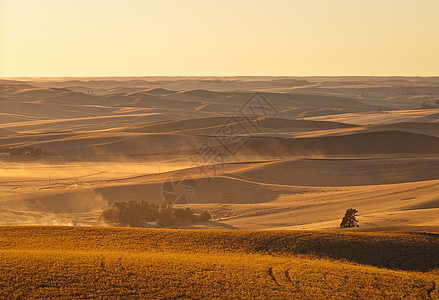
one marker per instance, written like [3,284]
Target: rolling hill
[65,262]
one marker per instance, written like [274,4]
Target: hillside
[381,142]
[318,144]
[65,262]
[134,142]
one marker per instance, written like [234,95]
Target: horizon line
[217,76]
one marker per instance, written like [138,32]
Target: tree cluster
[20,151]
[427,105]
[136,214]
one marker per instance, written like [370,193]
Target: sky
[219,38]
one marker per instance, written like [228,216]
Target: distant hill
[384,142]
[6,132]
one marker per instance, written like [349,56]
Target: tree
[166,215]
[183,214]
[349,219]
[133,213]
[123,214]
[204,216]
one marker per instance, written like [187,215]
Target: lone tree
[349,219]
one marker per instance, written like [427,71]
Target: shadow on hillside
[411,252]
[397,251]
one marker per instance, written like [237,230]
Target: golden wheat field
[41,262]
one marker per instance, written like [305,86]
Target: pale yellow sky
[202,37]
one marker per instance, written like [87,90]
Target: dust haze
[311,145]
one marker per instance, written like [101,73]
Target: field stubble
[83,262]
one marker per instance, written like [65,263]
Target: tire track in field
[159,242]
[285,280]
[271,274]
[288,270]
[430,286]
[431,289]
[151,242]
[287,275]
[400,262]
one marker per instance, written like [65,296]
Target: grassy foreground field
[94,262]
